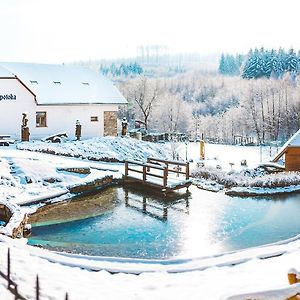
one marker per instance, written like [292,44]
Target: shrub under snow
[248,178]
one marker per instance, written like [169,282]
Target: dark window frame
[94,119]
[39,121]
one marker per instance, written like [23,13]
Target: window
[94,119]
[41,119]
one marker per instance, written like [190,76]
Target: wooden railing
[157,164]
[146,171]
[177,166]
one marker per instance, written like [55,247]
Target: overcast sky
[55,31]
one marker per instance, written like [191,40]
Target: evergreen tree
[222,65]
[229,64]
[250,67]
[267,65]
[292,61]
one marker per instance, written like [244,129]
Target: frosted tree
[267,65]
[292,61]
[172,114]
[250,67]
[229,65]
[144,93]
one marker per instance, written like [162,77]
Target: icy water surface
[137,225]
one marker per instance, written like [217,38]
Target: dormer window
[33,82]
[57,82]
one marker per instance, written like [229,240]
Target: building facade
[54,98]
[290,153]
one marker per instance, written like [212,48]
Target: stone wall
[110,123]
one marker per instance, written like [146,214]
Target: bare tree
[145,93]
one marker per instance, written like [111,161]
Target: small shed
[291,150]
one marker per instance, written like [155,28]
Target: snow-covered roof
[64,84]
[294,141]
[4,73]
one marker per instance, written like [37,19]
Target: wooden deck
[157,174]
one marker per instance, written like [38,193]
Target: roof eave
[82,103]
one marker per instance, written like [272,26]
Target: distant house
[54,97]
[291,151]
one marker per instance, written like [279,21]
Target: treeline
[271,63]
[122,69]
[261,63]
[220,107]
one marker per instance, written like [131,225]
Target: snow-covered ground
[104,149]
[228,157]
[262,269]
[209,278]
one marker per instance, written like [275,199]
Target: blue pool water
[143,226]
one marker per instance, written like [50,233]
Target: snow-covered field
[216,277]
[228,157]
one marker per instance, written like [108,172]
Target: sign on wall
[8,97]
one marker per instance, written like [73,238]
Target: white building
[54,97]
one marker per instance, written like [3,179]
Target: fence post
[165,214]
[126,168]
[8,268]
[67,296]
[144,173]
[187,171]
[37,288]
[126,197]
[165,177]
[16,293]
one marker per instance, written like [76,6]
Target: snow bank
[40,177]
[249,182]
[112,149]
[210,278]
[261,191]
[17,217]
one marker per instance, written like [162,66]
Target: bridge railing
[179,167]
[157,168]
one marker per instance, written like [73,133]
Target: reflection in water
[144,225]
[158,210]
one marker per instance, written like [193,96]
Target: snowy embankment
[249,182]
[109,149]
[28,177]
[259,271]
[17,217]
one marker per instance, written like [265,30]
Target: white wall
[11,110]
[61,118]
